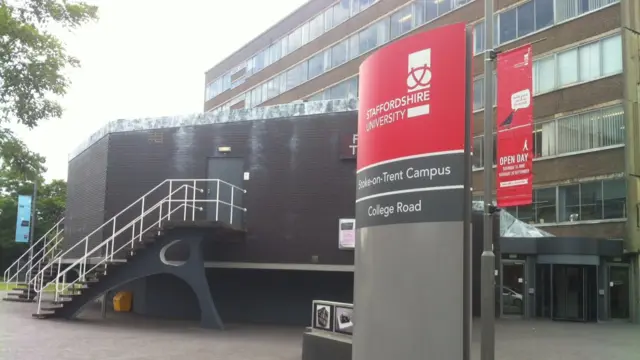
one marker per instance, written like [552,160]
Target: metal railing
[175,205]
[38,255]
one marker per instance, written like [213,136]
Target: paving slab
[130,337]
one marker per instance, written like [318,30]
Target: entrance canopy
[511,227]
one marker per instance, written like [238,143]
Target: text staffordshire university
[393,110]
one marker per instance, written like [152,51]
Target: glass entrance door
[513,288]
[568,292]
[619,292]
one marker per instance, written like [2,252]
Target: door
[619,292]
[569,293]
[513,288]
[229,170]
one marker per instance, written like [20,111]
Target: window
[354,47]
[507,25]
[478,92]
[328,19]
[339,54]
[478,148]
[316,27]
[274,52]
[340,12]
[544,75]
[295,40]
[544,139]
[589,62]
[305,33]
[478,38]
[612,55]
[401,22]
[296,75]
[567,69]
[317,97]
[585,131]
[360,5]
[568,9]
[526,19]
[594,200]
[316,65]
[374,36]
[614,195]
[478,98]
[544,13]
[586,201]
[273,88]
[591,130]
[284,46]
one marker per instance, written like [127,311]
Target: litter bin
[122,301]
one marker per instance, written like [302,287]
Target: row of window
[330,18]
[532,16]
[388,28]
[347,89]
[568,67]
[580,132]
[593,200]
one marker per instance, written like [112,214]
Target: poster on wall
[323,317]
[23,221]
[347,234]
[514,173]
[344,322]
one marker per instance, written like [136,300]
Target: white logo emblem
[419,71]
[526,145]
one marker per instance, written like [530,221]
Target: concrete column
[630,28]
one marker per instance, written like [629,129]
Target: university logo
[419,70]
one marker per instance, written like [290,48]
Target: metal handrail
[135,224]
[8,278]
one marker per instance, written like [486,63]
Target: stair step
[43,316]
[23,289]
[21,295]
[51,308]
[20,300]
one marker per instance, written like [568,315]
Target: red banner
[514,156]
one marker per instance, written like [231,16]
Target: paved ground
[23,338]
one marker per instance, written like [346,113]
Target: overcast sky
[146,58]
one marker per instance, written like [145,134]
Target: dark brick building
[585,66]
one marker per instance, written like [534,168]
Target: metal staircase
[18,276]
[128,233]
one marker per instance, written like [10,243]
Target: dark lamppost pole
[487,340]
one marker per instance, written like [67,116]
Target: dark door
[574,292]
[619,292]
[543,290]
[229,171]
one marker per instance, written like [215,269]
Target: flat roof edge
[228,116]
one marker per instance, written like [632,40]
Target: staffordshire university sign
[412,263]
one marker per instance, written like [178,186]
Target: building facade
[585,87]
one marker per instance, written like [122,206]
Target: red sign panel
[412,97]
[514,173]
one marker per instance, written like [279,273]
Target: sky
[145,58]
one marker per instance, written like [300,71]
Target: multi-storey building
[585,66]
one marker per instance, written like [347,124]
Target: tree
[32,61]
[50,205]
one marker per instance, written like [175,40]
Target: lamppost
[487,340]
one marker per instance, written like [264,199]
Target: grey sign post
[412,291]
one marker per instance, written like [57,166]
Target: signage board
[413,199]
[23,221]
[346,233]
[514,145]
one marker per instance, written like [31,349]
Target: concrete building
[585,67]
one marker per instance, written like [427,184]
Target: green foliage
[50,205]
[32,63]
